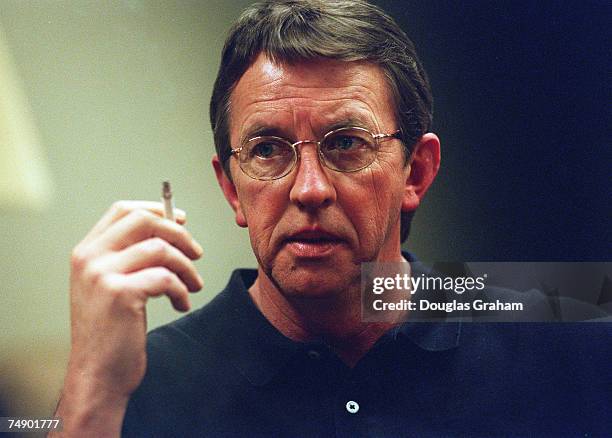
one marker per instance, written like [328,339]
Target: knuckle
[113,287]
[96,276]
[134,307]
[114,292]
[142,217]
[169,281]
[158,248]
[166,279]
[119,299]
[120,207]
[78,258]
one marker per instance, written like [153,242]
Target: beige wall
[119,92]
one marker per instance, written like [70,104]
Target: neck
[335,319]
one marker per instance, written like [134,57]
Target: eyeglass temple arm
[397,134]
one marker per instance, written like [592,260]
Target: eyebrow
[350,121]
[263,130]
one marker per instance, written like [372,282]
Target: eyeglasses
[346,149]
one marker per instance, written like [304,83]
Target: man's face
[311,229]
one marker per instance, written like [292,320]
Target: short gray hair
[290,31]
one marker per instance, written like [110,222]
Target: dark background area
[522,106]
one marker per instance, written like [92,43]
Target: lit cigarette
[167,200]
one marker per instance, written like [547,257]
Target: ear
[423,168]
[229,191]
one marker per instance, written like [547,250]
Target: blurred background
[101,101]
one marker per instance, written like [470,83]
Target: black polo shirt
[224,370]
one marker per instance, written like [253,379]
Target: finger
[140,225]
[150,253]
[121,209]
[154,282]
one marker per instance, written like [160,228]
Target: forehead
[309,96]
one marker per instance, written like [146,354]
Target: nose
[312,187]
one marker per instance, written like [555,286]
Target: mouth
[312,243]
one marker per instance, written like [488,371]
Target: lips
[313,235]
[312,243]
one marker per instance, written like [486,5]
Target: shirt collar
[429,335]
[259,351]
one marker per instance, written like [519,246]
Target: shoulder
[537,352]
[186,363]
[181,351]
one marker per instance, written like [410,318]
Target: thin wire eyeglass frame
[378,138]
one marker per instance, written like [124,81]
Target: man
[321,114]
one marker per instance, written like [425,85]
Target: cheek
[372,202]
[389,178]
[263,205]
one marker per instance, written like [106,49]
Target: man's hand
[131,254]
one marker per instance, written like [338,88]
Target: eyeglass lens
[345,150]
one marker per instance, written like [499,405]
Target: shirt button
[352,407]
[314,354]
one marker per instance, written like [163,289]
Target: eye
[345,142]
[348,149]
[265,149]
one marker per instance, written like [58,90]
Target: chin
[315,284]
[315,277]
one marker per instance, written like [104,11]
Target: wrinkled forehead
[317,94]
